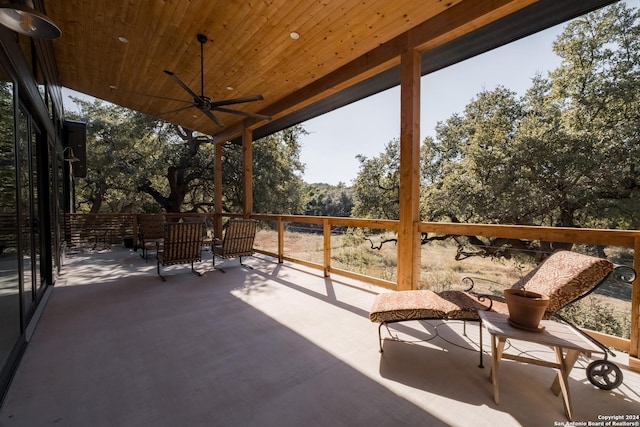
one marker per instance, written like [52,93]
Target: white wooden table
[566,342]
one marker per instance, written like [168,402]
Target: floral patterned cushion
[408,305]
[565,276]
[425,304]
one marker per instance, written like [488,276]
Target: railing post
[634,348]
[217,188]
[280,240]
[247,164]
[326,228]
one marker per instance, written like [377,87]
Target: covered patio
[277,345]
[282,344]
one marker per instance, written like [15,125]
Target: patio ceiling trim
[527,21]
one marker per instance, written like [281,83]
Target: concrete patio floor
[279,345]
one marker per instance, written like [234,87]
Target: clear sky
[364,127]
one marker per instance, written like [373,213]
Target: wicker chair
[182,244]
[150,233]
[237,241]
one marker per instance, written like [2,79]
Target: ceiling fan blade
[133,92]
[177,110]
[237,100]
[243,113]
[182,84]
[212,117]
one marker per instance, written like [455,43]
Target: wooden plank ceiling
[249,51]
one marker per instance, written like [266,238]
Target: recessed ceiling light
[294,35]
[229,87]
[113,87]
[194,116]
[123,39]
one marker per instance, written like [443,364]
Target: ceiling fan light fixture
[21,17]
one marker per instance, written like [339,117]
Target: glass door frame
[33,198]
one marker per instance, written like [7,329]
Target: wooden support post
[247,163]
[408,242]
[280,240]
[634,348]
[326,228]
[217,196]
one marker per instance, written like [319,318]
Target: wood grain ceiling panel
[249,49]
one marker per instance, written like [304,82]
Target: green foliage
[473,177]
[277,183]
[376,189]
[149,207]
[122,147]
[593,314]
[137,163]
[328,200]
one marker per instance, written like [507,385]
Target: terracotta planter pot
[526,308]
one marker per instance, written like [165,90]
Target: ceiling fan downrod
[202,39]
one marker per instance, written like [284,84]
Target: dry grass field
[441,271]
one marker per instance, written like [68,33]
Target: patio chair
[206,239]
[150,233]
[237,241]
[565,277]
[182,244]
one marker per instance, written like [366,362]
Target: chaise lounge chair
[565,277]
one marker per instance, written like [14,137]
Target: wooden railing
[327,223]
[81,229]
[106,229]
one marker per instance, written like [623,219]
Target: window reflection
[9,278]
[26,220]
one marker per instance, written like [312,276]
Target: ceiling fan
[208,105]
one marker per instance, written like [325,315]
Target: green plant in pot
[526,308]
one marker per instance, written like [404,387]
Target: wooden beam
[217,196]
[408,242]
[461,19]
[608,340]
[625,238]
[247,165]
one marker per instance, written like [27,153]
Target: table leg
[564,384]
[481,365]
[496,355]
[570,359]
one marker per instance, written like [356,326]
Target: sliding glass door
[29,146]
[10,314]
